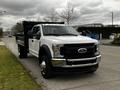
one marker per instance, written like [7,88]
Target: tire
[46,70]
[22,51]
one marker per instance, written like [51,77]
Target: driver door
[34,41]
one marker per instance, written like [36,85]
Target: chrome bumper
[63,62]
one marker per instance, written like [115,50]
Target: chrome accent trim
[82,65]
[58,59]
[85,59]
[82,50]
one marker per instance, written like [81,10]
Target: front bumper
[64,63]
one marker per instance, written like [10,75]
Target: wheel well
[44,50]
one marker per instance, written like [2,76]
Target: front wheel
[45,66]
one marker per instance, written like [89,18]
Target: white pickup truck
[58,48]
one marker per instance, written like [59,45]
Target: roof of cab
[51,25]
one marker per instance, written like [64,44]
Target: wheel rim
[43,65]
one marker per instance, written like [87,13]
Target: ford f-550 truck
[58,47]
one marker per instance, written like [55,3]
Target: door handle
[32,40]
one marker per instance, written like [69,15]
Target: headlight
[56,50]
[97,51]
[97,47]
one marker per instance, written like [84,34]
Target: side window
[35,30]
[36,33]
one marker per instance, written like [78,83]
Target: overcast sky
[89,11]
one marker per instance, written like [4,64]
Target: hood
[70,39]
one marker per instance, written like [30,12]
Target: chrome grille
[70,51]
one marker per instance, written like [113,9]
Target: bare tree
[46,19]
[17,28]
[67,13]
[2,13]
[52,16]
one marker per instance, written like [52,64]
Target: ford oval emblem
[82,50]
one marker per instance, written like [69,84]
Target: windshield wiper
[69,34]
[52,34]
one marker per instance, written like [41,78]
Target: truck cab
[60,48]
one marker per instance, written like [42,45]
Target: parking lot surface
[107,77]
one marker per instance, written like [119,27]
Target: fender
[45,49]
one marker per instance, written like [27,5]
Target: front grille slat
[80,62]
[70,51]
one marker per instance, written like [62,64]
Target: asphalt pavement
[107,77]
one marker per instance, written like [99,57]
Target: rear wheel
[22,51]
[45,66]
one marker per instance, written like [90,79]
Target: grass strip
[13,75]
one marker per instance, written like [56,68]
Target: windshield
[59,31]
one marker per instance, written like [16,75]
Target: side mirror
[37,36]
